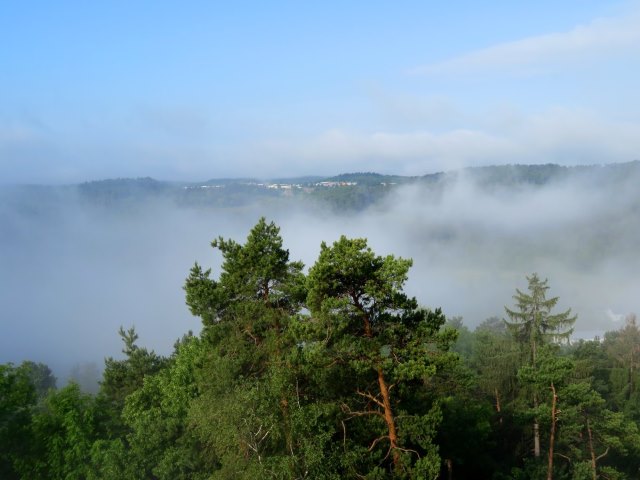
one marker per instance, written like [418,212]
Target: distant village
[289,186]
[283,186]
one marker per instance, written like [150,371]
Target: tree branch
[370,397]
[344,436]
[346,409]
[255,340]
[603,455]
[377,440]
[563,456]
[409,450]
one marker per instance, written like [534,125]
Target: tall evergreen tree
[248,380]
[534,326]
[531,321]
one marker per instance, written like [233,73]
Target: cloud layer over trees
[73,273]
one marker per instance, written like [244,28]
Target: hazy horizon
[203,90]
[198,91]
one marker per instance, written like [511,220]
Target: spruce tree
[534,326]
[532,323]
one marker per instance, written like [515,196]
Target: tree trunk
[388,418]
[536,430]
[552,435]
[365,317]
[591,451]
[384,392]
[536,425]
[449,463]
[286,420]
[498,408]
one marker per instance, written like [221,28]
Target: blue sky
[196,90]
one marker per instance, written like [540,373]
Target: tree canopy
[336,373]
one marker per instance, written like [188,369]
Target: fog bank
[72,273]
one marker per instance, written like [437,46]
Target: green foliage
[590,433]
[160,444]
[337,374]
[247,413]
[495,357]
[63,429]
[350,198]
[40,376]
[623,349]
[592,364]
[122,377]
[259,270]
[17,395]
[380,340]
[21,388]
[532,323]
[464,343]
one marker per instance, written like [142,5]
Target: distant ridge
[536,174]
[345,192]
[370,178]
[510,173]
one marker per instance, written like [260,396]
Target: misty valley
[475,323]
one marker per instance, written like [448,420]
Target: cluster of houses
[289,186]
[284,186]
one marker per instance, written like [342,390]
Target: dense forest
[335,372]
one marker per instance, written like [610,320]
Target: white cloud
[600,37]
[390,151]
[556,135]
[614,317]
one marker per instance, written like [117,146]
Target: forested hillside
[336,372]
[349,192]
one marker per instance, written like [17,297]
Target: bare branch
[344,436]
[255,339]
[370,397]
[362,414]
[603,455]
[345,408]
[376,441]
[563,456]
[388,453]
[408,450]
[298,392]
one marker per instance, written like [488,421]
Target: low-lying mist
[72,273]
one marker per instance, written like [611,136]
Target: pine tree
[384,348]
[248,404]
